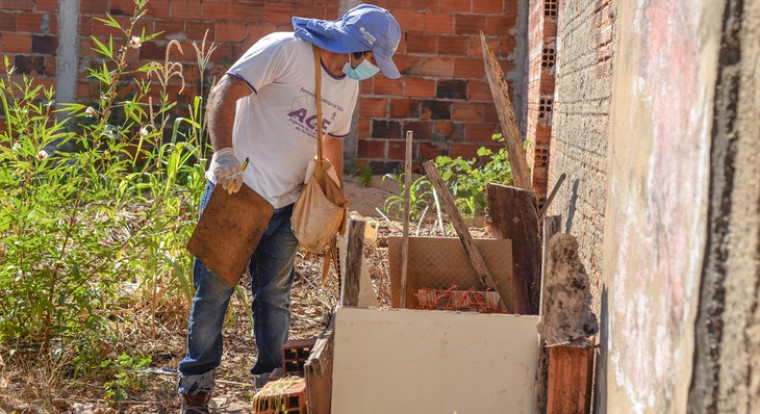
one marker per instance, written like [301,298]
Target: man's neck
[334,62]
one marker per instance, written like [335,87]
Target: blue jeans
[271,269]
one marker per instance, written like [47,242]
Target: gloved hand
[226,169]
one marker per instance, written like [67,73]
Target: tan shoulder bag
[320,211]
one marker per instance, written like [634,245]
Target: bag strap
[318,92]
[331,257]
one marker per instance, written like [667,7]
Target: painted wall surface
[654,236]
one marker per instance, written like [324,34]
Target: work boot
[195,404]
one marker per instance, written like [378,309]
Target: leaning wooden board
[229,230]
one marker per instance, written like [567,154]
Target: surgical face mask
[365,70]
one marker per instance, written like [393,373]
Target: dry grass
[30,384]
[33,384]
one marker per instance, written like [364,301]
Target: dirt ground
[43,389]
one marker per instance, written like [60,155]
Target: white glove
[226,169]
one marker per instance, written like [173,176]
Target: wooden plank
[512,136]
[570,380]
[407,197]
[349,295]
[367,294]
[229,230]
[551,196]
[512,215]
[464,233]
[318,371]
[550,226]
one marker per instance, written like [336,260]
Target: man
[264,109]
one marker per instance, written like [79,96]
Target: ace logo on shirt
[306,122]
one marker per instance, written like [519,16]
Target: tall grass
[92,234]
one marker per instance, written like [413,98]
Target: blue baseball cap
[365,27]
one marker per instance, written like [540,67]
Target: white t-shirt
[275,125]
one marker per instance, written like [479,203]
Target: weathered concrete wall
[580,125]
[728,324]
[654,235]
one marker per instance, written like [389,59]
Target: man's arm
[333,151]
[221,109]
[225,166]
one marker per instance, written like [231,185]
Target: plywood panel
[410,361]
[440,262]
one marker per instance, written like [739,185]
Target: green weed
[129,374]
[467,179]
[420,196]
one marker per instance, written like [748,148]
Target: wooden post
[551,225]
[512,136]
[512,215]
[349,295]
[407,196]
[570,380]
[318,372]
[464,234]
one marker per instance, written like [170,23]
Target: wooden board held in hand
[229,230]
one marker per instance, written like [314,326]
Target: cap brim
[387,67]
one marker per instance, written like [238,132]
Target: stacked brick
[542,45]
[288,395]
[295,353]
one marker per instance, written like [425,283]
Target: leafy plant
[420,196]
[365,176]
[129,375]
[467,179]
[363,173]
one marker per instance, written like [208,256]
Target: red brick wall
[443,96]
[28,39]
[233,25]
